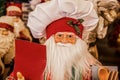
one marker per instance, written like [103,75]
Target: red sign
[30,59]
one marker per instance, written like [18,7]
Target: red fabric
[7,26]
[61,25]
[30,59]
[14,4]
[42,1]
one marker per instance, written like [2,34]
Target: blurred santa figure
[20,29]
[11,28]
[64,24]
[7,47]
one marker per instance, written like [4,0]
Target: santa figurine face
[14,8]
[3,32]
[65,37]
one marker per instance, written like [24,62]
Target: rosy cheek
[72,40]
[57,40]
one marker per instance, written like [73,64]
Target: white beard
[61,59]
[6,41]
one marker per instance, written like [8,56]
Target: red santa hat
[7,22]
[14,3]
[65,24]
[14,10]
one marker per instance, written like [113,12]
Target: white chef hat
[47,12]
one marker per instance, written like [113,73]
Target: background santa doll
[11,28]
[7,38]
[20,29]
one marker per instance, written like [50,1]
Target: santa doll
[67,54]
[64,24]
[20,30]
[7,38]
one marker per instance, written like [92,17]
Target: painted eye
[59,35]
[70,36]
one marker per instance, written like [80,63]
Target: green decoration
[81,20]
[2,7]
[75,25]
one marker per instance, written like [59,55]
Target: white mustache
[64,44]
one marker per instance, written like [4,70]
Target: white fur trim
[13,8]
[8,20]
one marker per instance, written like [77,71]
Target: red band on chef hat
[65,25]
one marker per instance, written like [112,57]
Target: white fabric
[47,12]
[33,3]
